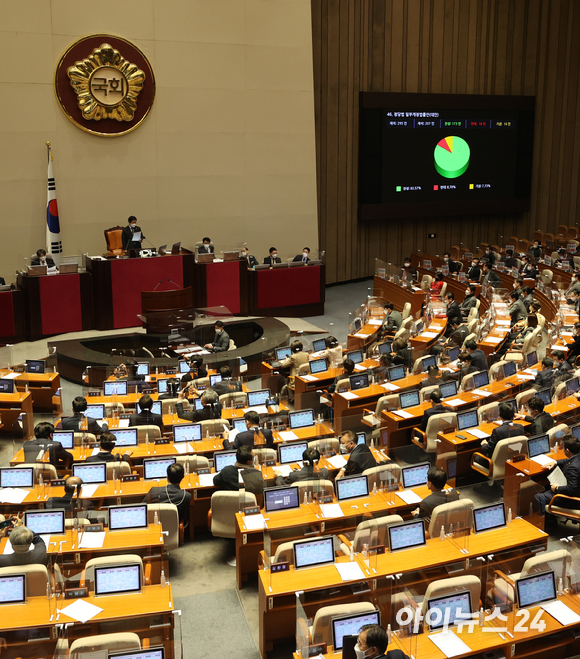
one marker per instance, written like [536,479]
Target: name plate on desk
[204,470]
[315,650]
[162,440]
[57,482]
[130,478]
[252,510]
[322,497]
[270,463]
[94,393]
[519,457]
[280,566]
[124,416]
[73,593]
[378,549]
[94,528]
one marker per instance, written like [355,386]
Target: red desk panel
[60,304]
[288,287]
[7,326]
[223,285]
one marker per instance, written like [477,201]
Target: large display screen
[444,154]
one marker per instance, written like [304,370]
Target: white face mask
[133,225]
[244,253]
[274,255]
[360,654]
[344,448]
[446,258]
[407,265]
[467,291]
[304,253]
[219,330]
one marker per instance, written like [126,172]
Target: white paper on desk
[96,451]
[184,447]
[449,643]
[260,409]
[563,614]
[349,571]
[557,347]
[389,386]
[10,376]
[309,378]
[349,395]
[566,334]
[430,335]
[205,480]
[409,496]
[81,610]
[556,477]
[283,470]
[494,339]
[330,510]
[480,434]
[254,522]
[361,336]
[454,402]
[525,377]
[503,330]
[88,490]
[403,414]
[375,321]
[287,435]
[124,423]
[13,495]
[359,367]
[529,371]
[503,323]
[481,392]
[337,461]
[542,459]
[92,540]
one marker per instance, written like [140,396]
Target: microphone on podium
[174,283]
[158,285]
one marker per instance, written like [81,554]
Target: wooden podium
[163,311]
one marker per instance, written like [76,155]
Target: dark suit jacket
[228,386]
[227,478]
[74,422]
[541,424]
[473,273]
[202,250]
[252,261]
[103,456]
[221,342]
[360,459]
[436,409]
[393,321]
[60,502]
[507,429]
[199,415]
[49,261]
[305,474]
[146,418]
[299,257]
[194,375]
[171,494]
[544,378]
[458,336]
[571,469]
[247,438]
[127,238]
[453,310]
[479,360]
[56,452]
[469,302]
[36,555]
[510,261]
[2,281]
[492,278]
[270,261]
[435,499]
[453,266]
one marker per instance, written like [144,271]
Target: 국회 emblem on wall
[109,90]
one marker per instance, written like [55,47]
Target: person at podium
[304,257]
[273,258]
[252,260]
[206,247]
[132,236]
[43,259]
[221,340]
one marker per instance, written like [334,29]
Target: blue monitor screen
[448,389]
[409,399]
[355,355]
[318,345]
[396,373]
[481,379]
[467,420]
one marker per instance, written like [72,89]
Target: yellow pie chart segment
[452,156]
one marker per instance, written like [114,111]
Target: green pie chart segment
[452,156]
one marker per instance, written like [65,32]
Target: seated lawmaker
[437,407]
[21,539]
[304,257]
[469,301]
[478,357]
[146,417]
[196,370]
[227,385]
[393,319]
[206,247]
[128,235]
[507,429]
[79,405]
[541,421]
[372,643]
[252,260]
[43,259]
[228,477]
[273,258]
[71,485]
[310,458]
[172,492]
[211,407]
[43,441]
[436,480]
[360,456]
[254,432]
[221,339]
[107,443]
[333,352]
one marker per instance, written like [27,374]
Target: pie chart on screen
[452,156]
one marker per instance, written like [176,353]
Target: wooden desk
[11,407]
[365,336]
[422,343]
[398,295]
[42,386]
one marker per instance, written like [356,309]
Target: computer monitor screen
[512,402]
[536,589]
[313,553]
[453,354]
[13,589]
[214,379]
[240,425]
[489,517]
[197,404]
[115,388]
[318,345]
[183,367]
[302,419]
[544,395]
[419,326]
[448,389]
[361,437]
[357,324]
[6,386]
[538,445]
[481,379]
[95,411]
[352,487]
[190,432]
[133,516]
[17,477]
[385,348]
[467,420]
[162,386]
[431,360]
[258,398]
[571,386]
[409,398]
[318,366]
[281,498]
[94,472]
[415,475]
[355,355]
[114,580]
[406,535]
[282,354]
[156,467]
[291,452]
[223,459]
[126,437]
[351,625]
[396,373]
[150,653]
[448,609]
[509,369]
[156,408]
[531,359]
[143,368]
[359,381]
[49,522]
[35,365]
[65,437]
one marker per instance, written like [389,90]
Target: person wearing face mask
[490,276]
[510,260]
[474,271]
[129,232]
[408,272]
[574,349]
[304,257]
[221,340]
[206,247]
[451,264]
[489,254]
[273,258]
[372,643]
[360,456]
[245,254]
[42,259]
[469,301]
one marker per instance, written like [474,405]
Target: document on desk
[494,339]
[124,423]
[429,335]
[330,510]
[337,461]
[186,447]
[403,414]
[81,610]
[283,470]
[260,409]
[389,386]
[349,395]
[254,522]
[375,321]
[350,571]
[454,402]
[92,540]
[10,376]
[359,367]
[476,432]
[309,378]
[563,614]
[481,392]
[542,460]
[13,495]
[206,480]
[409,496]
[287,435]
[88,490]
[557,478]
[361,336]
[449,643]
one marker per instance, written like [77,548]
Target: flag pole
[53,242]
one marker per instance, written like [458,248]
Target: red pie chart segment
[447,143]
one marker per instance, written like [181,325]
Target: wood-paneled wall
[521,47]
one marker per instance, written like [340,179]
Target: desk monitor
[406,535]
[301,419]
[539,445]
[149,653]
[571,386]
[419,326]
[6,386]
[352,487]
[17,477]
[351,625]
[183,366]
[361,437]
[65,437]
[189,432]
[214,379]
[117,579]
[451,465]
[162,386]
[385,348]
[45,521]
[453,354]
[359,381]
[142,368]
[448,609]
[448,389]
[35,365]
[291,452]
[396,373]
[197,404]
[318,345]
[355,355]
[154,468]
[95,411]
[115,388]
[480,379]
[544,395]
[258,398]
[94,472]
[282,354]
[223,459]
[512,402]
[357,324]
[415,475]
[531,359]
[431,360]
[156,408]
[509,369]
[409,399]
[314,553]
[486,518]
[176,247]
[467,420]
[132,516]
[13,589]
[536,589]
[318,365]
[281,498]
[126,437]
[240,425]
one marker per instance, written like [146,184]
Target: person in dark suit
[348,370]
[574,349]
[478,358]
[372,643]
[360,456]
[196,370]
[273,258]
[408,272]
[206,247]
[211,407]
[469,301]
[453,311]
[392,320]
[309,458]
[517,309]
[221,340]
[304,257]
[43,441]
[570,467]
[381,372]
[79,405]
[451,264]
[107,444]
[437,408]
[575,302]
[172,492]
[459,333]
[252,260]
[490,276]
[507,429]
[545,375]
[536,249]
[146,417]
[128,234]
[42,259]
[541,421]
[21,538]
[510,260]
[474,271]
[228,477]
[227,384]
[433,377]
[560,362]
[253,433]
[529,269]
[436,481]
[71,485]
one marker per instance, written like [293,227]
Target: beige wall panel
[266,109]
[201,154]
[27,109]
[275,23]
[279,154]
[26,16]
[270,67]
[25,57]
